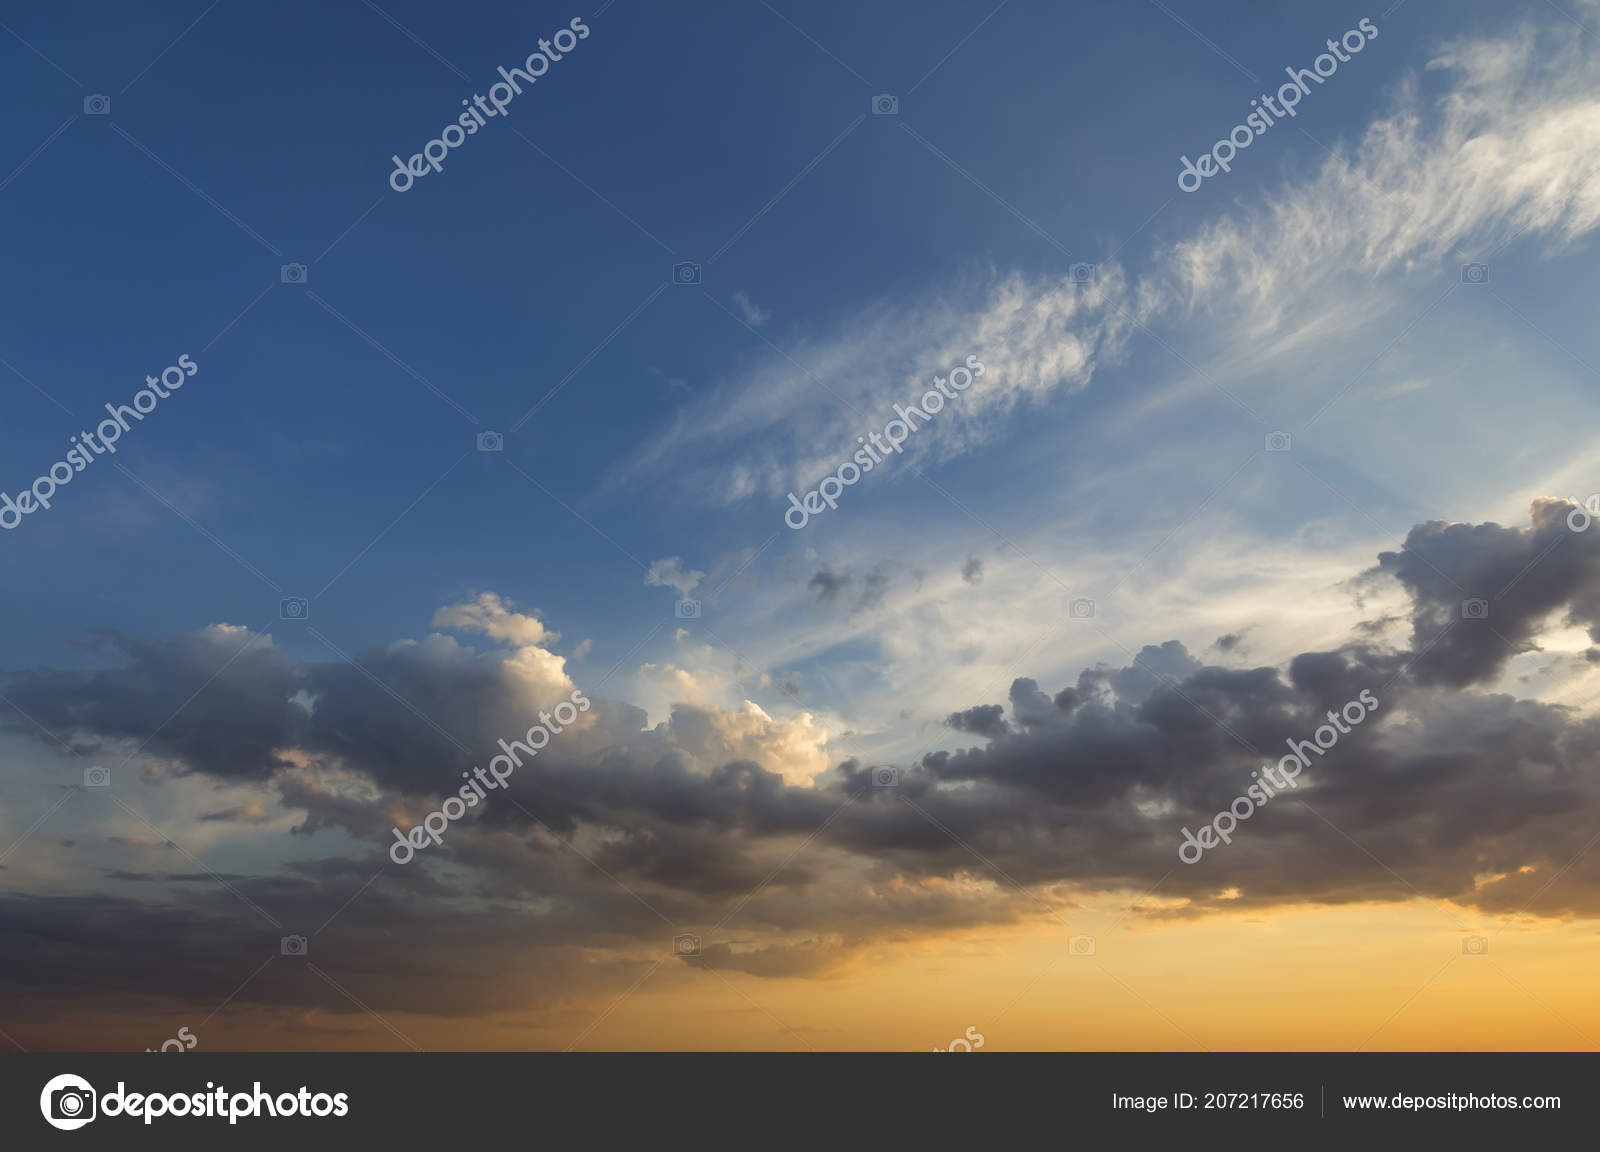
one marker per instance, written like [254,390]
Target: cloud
[1083,790]
[251,813]
[828,583]
[773,428]
[670,573]
[1080,783]
[1515,577]
[792,748]
[1510,148]
[1506,149]
[494,617]
[753,316]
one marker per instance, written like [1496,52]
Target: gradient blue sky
[300,443]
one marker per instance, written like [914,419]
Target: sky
[428,461]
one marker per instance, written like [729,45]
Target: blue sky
[1115,450]
[500,276]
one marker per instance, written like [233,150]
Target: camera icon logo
[1474,609]
[294,608]
[293,945]
[687,610]
[886,105]
[1474,273]
[1083,273]
[1081,946]
[294,273]
[886,777]
[491,442]
[686,272]
[68,1102]
[1475,946]
[1278,442]
[95,776]
[686,945]
[97,105]
[1081,609]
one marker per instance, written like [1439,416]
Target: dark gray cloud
[620,834]
[874,588]
[1481,592]
[827,583]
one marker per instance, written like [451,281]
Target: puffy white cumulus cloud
[494,617]
[682,684]
[795,748]
[542,671]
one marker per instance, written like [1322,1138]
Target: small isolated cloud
[828,583]
[874,588]
[494,617]
[753,316]
[670,573]
[251,813]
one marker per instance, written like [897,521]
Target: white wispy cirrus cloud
[1508,150]
[797,412]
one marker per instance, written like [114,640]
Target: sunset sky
[1227,461]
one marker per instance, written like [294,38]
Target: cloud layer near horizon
[1451,790]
